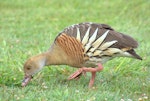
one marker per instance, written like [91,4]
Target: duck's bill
[26,80]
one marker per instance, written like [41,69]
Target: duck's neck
[54,56]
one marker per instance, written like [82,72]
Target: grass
[29,27]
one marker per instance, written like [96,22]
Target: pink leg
[76,75]
[84,70]
[99,68]
[92,79]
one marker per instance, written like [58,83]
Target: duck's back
[90,43]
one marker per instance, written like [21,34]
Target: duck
[86,46]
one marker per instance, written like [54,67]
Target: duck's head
[32,66]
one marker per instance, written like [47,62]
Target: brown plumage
[73,49]
[85,46]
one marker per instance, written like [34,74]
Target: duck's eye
[28,68]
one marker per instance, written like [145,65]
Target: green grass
[28,27]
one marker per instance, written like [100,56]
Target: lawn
[28,27]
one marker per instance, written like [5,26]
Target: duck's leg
[92,79]
[83,70]
[76,75]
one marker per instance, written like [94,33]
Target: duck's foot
[83,71]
